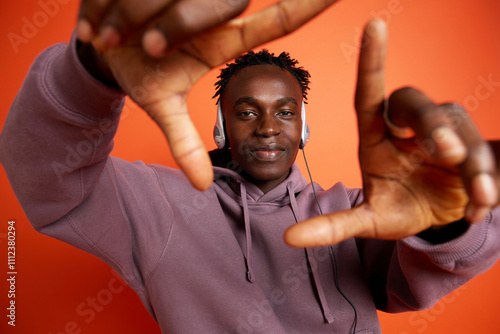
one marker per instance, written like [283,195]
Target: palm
[159,86]
[400,175]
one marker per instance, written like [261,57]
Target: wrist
[445,233]
[95,64]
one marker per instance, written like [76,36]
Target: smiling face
[261,107]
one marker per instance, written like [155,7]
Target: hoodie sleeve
[60,125]
[413,274]
[55,148]
[432,271]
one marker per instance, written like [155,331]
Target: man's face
[262,106]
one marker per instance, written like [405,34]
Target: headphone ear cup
[304,135]
[219,134]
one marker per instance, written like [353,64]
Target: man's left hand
[423,166]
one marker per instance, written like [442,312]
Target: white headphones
[220,137]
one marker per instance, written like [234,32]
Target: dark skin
[181,41]
[456,175]
[262,105]
[457,178]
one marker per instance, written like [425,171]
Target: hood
[238,195]
[230,181]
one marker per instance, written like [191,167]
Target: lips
[267,152]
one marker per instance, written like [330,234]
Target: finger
[332,228]
[279,20]
[186,145]
[479,172]
[90,16]
[185,19]
[125,17]
[478,168]
[370,88]
[175,22]
[241,35]
[495,147]
[149,82]
[456,142]
[409,107]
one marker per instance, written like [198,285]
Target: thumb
[186,145]
[332,228]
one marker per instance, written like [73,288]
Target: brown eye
[286,113]
[248,114]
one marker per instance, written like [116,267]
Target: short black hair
[263,57]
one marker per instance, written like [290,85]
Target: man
[227,269]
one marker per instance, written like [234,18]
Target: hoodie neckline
[278,194]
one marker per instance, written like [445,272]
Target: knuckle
[427,110]
[284,19]
[234,7]
[480,150]
[480,158]
[404,90]
[188,18]
[120,19]
[93,10]
[449,114]
[177,17]
[453,109]
[402,94]
[453,114]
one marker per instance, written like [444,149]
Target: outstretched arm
[423,168]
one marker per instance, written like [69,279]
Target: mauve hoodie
[213,261]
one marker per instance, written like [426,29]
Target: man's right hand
[158,49]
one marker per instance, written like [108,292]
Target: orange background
[443,47]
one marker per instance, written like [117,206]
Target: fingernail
[448,143]
[84,30]
[483,189]
[98,44]
[110,36]
[154,43]
[476,214]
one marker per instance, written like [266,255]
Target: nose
[268,126]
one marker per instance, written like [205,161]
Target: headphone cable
[331,250]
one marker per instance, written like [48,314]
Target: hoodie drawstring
[309,255]
[248,233]
[317,282]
